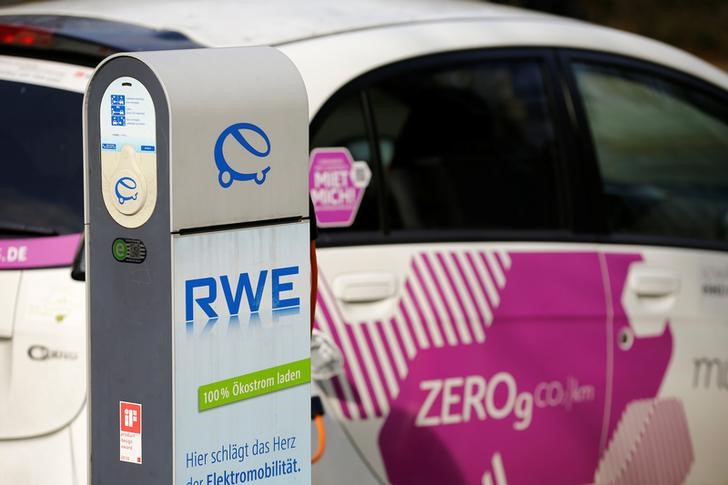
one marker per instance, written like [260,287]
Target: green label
[257,383]
[126,250]
[118,249]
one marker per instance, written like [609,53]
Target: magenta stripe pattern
[447,298]
[651,445]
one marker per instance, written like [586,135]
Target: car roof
[332,42]
[228,23]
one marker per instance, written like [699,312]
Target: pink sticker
[336,184]
[39,252]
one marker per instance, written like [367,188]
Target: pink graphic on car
[651,445]
[39,252]
[497,367]
[336,185]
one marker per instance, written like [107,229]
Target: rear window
[41,149]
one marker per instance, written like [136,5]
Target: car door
[472,325]
[660,140]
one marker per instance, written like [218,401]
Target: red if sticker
[130,432]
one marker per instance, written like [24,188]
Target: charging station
[198,272]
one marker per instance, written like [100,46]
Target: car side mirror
[78,270]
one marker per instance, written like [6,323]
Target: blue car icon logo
[124,188]
[226,174]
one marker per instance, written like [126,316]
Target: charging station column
[198,274]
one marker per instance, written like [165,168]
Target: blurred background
[699,27]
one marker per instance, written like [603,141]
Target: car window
[342,125]
[468,147]
[41,152]
[662,150]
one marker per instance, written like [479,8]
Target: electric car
[523,274]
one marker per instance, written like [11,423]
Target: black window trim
[372,130]
[547,58]
[597,230]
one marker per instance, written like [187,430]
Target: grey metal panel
[130,354]
[260,86]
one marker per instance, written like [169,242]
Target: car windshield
[41,149]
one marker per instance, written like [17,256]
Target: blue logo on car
[124,188]
[226,174]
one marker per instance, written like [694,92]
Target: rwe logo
[246,288]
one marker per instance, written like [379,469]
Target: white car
[524,265]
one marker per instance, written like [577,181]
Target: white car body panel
[51,457]
[9,282]
[48,391]
[698,322]
[43,400]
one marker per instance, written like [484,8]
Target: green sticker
[118,249]
[255,384]
[126,250]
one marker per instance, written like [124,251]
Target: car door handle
[654,283]
[365,287]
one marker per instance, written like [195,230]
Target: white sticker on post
[128,151]
[130,432]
